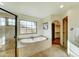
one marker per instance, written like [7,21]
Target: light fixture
[1,3]
[61,6]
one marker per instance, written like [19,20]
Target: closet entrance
[56,32]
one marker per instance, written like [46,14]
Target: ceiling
[38,9]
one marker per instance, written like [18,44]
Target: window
[11,21]
[2,21]
[27,27]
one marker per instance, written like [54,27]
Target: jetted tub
[33,39]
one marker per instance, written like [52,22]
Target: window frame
[26,30]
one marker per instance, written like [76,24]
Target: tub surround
[23,42]
[32,40]
[33,47]
[73,49]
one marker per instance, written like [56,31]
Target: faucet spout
[32,38]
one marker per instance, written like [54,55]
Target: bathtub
[33,39]
[32,45]
[73,48]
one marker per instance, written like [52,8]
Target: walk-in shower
[8,34]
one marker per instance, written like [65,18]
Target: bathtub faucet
[32,38]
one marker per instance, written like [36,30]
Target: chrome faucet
[32,38]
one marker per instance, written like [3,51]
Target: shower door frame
[15,29]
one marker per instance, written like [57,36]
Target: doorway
[65,31]
[56,32]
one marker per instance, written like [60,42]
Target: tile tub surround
[22,42]
[73,48]
[29,49]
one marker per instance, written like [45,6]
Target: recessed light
[1,3]
[61,6]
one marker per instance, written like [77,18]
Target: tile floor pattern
[54,51]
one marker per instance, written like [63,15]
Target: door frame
[15,28]
[53,32]
[66,29]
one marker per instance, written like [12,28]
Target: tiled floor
[54,51]
[7,53]
[9,49]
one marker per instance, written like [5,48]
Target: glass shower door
[7,40]
[2,35]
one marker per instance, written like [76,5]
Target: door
[65,31]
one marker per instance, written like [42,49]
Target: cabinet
[57,30]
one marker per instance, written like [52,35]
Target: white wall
[47,32]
